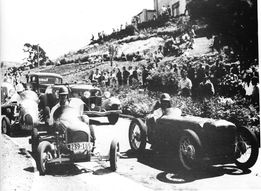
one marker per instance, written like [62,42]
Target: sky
[60,26]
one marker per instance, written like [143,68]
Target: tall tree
[37,56]
[233,21]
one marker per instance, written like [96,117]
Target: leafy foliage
[234,22]
[37,56]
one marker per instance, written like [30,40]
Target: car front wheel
[44,155]
[189,149]
[246,148]
[114,154]
[137,135]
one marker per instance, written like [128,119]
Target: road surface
[149,172]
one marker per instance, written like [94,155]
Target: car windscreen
[49,80]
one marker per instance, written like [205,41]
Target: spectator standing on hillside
[169,10]
[248,87]
[206,88]
[125,75]
[145,74]
[184,85]
[119,76]
[255,93]
[113,78]
[200,74]
[91,76]
[96,75]
[135,73]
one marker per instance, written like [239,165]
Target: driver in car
[61,112]
[161,108]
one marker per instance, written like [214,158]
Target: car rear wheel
[189,149]
[114,154]
[44,155]
[113,118]
[7,127]
[246,148]
[137,135]
[35,140]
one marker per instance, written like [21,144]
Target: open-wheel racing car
[69,141]
[96,103]
[18,116]
[195,140]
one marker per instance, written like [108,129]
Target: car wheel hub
[188,150]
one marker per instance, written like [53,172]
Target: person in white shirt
[184,85]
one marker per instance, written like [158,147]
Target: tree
[37,56]
[233,21]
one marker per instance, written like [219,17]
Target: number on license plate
[78,146]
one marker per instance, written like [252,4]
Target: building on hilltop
[177,7]
[145,15]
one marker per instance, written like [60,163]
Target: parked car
[97,104]
[69,142]
[41,80]
[195,140]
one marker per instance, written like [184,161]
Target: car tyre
[5,125]
[137,140]
[44,155]
[114,154]
[189,150]
[35,140]
[113,118]
[246,140]
[7,128]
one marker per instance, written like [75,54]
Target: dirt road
[149,172]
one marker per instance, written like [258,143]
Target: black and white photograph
[130,95]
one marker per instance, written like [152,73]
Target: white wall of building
[182,5]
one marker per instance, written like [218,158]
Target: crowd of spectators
[200,79]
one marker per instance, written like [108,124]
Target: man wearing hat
[161,108]
[57,110]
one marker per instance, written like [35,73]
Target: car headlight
[107,94]
[86,94]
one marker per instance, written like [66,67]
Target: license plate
[80,146]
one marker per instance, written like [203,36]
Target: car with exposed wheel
[22,115]
[196,141]
[69,141]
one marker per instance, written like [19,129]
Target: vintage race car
[96,103]
[70,141]
[41,80]
[19,116]
[195,140]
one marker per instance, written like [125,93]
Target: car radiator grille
[77,136]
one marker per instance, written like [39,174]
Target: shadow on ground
[173,173]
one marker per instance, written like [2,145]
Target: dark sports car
[196,140]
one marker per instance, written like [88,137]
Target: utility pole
[37,55]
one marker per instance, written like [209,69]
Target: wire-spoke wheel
[189,149]
[246,148]
[45,155]
[137,135]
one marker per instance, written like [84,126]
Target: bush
[236,110]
